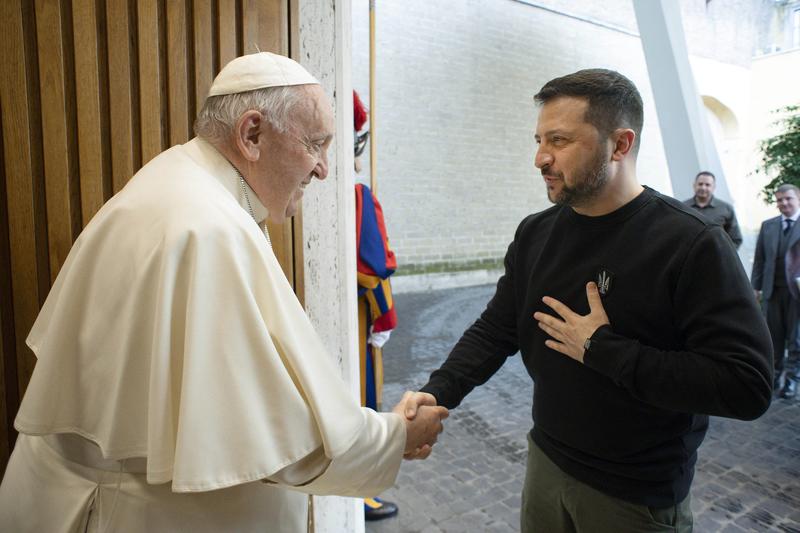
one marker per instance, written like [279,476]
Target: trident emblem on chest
[605,281]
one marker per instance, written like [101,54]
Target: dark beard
[587,185]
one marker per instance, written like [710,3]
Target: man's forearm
[730,379]
[474,359]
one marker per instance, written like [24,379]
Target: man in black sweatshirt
[632,314]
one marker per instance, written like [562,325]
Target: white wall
[726,87]
[455,81]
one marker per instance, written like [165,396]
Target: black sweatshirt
[686,340]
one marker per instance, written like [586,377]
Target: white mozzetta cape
[171,333]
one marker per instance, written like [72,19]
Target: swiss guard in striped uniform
[376,315]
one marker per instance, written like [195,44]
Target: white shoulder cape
[171,333]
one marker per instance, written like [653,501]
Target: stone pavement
[748,474]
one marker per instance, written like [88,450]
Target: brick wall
[725,30]
[455,116]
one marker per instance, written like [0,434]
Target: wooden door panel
[90,90]
[91,103]
[152,78]
[56,87]
[124,114]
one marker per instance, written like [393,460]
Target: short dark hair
[786,187]
[706,173]
[614,102]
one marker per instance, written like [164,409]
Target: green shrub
[780,155]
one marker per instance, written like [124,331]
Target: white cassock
[177,372]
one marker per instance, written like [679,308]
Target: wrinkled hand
[423,420]
[570,331]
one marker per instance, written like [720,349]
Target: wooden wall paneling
[264,28]
[58,121]
[152,82]
[89,90]
[228,19]
[92,106]
[177,72]
[27,231]
[298,260]
[281,237]
[250,28]
[122,93]
[293,51]
[5,428]
[205,51]
[293,30]
[8,366]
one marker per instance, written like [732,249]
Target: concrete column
[688,144]
[329,234]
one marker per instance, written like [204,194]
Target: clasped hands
[568,333]
[423,420]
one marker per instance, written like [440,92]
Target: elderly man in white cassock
[179,384]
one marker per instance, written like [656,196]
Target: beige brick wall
[455,116]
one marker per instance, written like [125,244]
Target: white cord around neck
[250,206]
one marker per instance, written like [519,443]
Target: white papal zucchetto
[259,71]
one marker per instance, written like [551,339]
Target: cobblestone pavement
[748,473]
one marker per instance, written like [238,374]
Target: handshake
[423,420]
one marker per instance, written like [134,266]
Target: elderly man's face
[294,158]
[574,160]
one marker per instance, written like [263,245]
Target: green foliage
[780,155]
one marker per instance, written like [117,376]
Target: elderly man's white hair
[266,82]
[216,120]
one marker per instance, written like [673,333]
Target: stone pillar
[688,144]
[329,234]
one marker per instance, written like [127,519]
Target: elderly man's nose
[322,168]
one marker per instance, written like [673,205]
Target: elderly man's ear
[249,135]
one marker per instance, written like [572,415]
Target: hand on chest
[633,287]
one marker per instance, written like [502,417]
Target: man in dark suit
[775,276]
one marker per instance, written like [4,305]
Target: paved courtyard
[748,474]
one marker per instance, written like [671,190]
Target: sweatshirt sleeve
[724,367]
[484,346]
